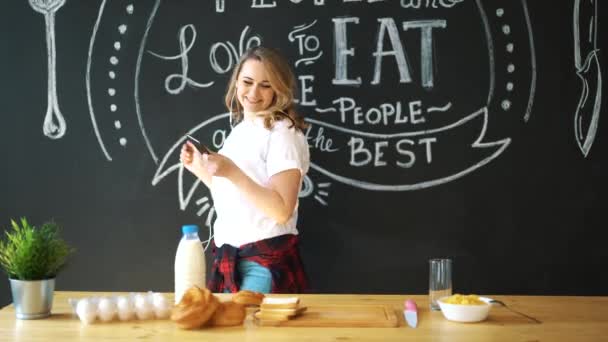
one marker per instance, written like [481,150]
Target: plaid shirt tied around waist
[279,254]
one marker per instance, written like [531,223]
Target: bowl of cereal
[465,308]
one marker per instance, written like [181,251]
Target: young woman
[255,179]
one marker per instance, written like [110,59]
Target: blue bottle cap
[189,228]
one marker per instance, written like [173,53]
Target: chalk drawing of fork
[54,124]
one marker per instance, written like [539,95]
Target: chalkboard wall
[456,128]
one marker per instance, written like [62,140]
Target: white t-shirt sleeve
[287,149]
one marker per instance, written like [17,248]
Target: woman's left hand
[220,166]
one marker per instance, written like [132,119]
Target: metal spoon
[54,125]
[494,301]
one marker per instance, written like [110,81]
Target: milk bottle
[189,262]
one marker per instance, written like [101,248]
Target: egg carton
[141,306]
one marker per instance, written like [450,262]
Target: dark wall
[456,129]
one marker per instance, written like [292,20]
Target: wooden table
[564,319]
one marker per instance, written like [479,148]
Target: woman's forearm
[267,200]
[201,174]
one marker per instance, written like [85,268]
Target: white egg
[161,306]
[124,302]
[106,309]
[73,302]
[86,311]
[125,308]
[93,300]
[143,308]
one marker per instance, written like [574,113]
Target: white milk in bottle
[189,262]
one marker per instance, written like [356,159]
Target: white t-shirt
[260,153]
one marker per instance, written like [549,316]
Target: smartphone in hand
[201,148]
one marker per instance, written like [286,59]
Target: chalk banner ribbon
[402,161]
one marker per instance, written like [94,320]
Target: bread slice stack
[278,309]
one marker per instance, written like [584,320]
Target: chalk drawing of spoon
[587,65]
[54,124]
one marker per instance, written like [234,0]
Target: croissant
[228,314]
[247,297]
[195,309]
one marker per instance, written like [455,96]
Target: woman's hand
[191,158]
[208,164]
[220,166]
[194,162]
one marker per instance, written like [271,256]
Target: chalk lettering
[385,114]
[388,24]
[360,155]
[306,88]
[426,47]
[320,141]
[342,52]
[219,6]
[356,148]
[411,155]
[218,138]
[184,47]
[429,3]
[263,4]
[307,43]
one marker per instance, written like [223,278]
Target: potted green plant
[32,257]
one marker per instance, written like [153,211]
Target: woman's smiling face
[254,91]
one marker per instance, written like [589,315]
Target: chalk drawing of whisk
[54,124]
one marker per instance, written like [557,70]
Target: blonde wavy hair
[282,81]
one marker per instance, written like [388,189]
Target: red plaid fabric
[279,254]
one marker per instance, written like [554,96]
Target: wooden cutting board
[339,316]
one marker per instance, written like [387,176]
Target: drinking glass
[440,280]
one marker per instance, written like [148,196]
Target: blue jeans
[254,277]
